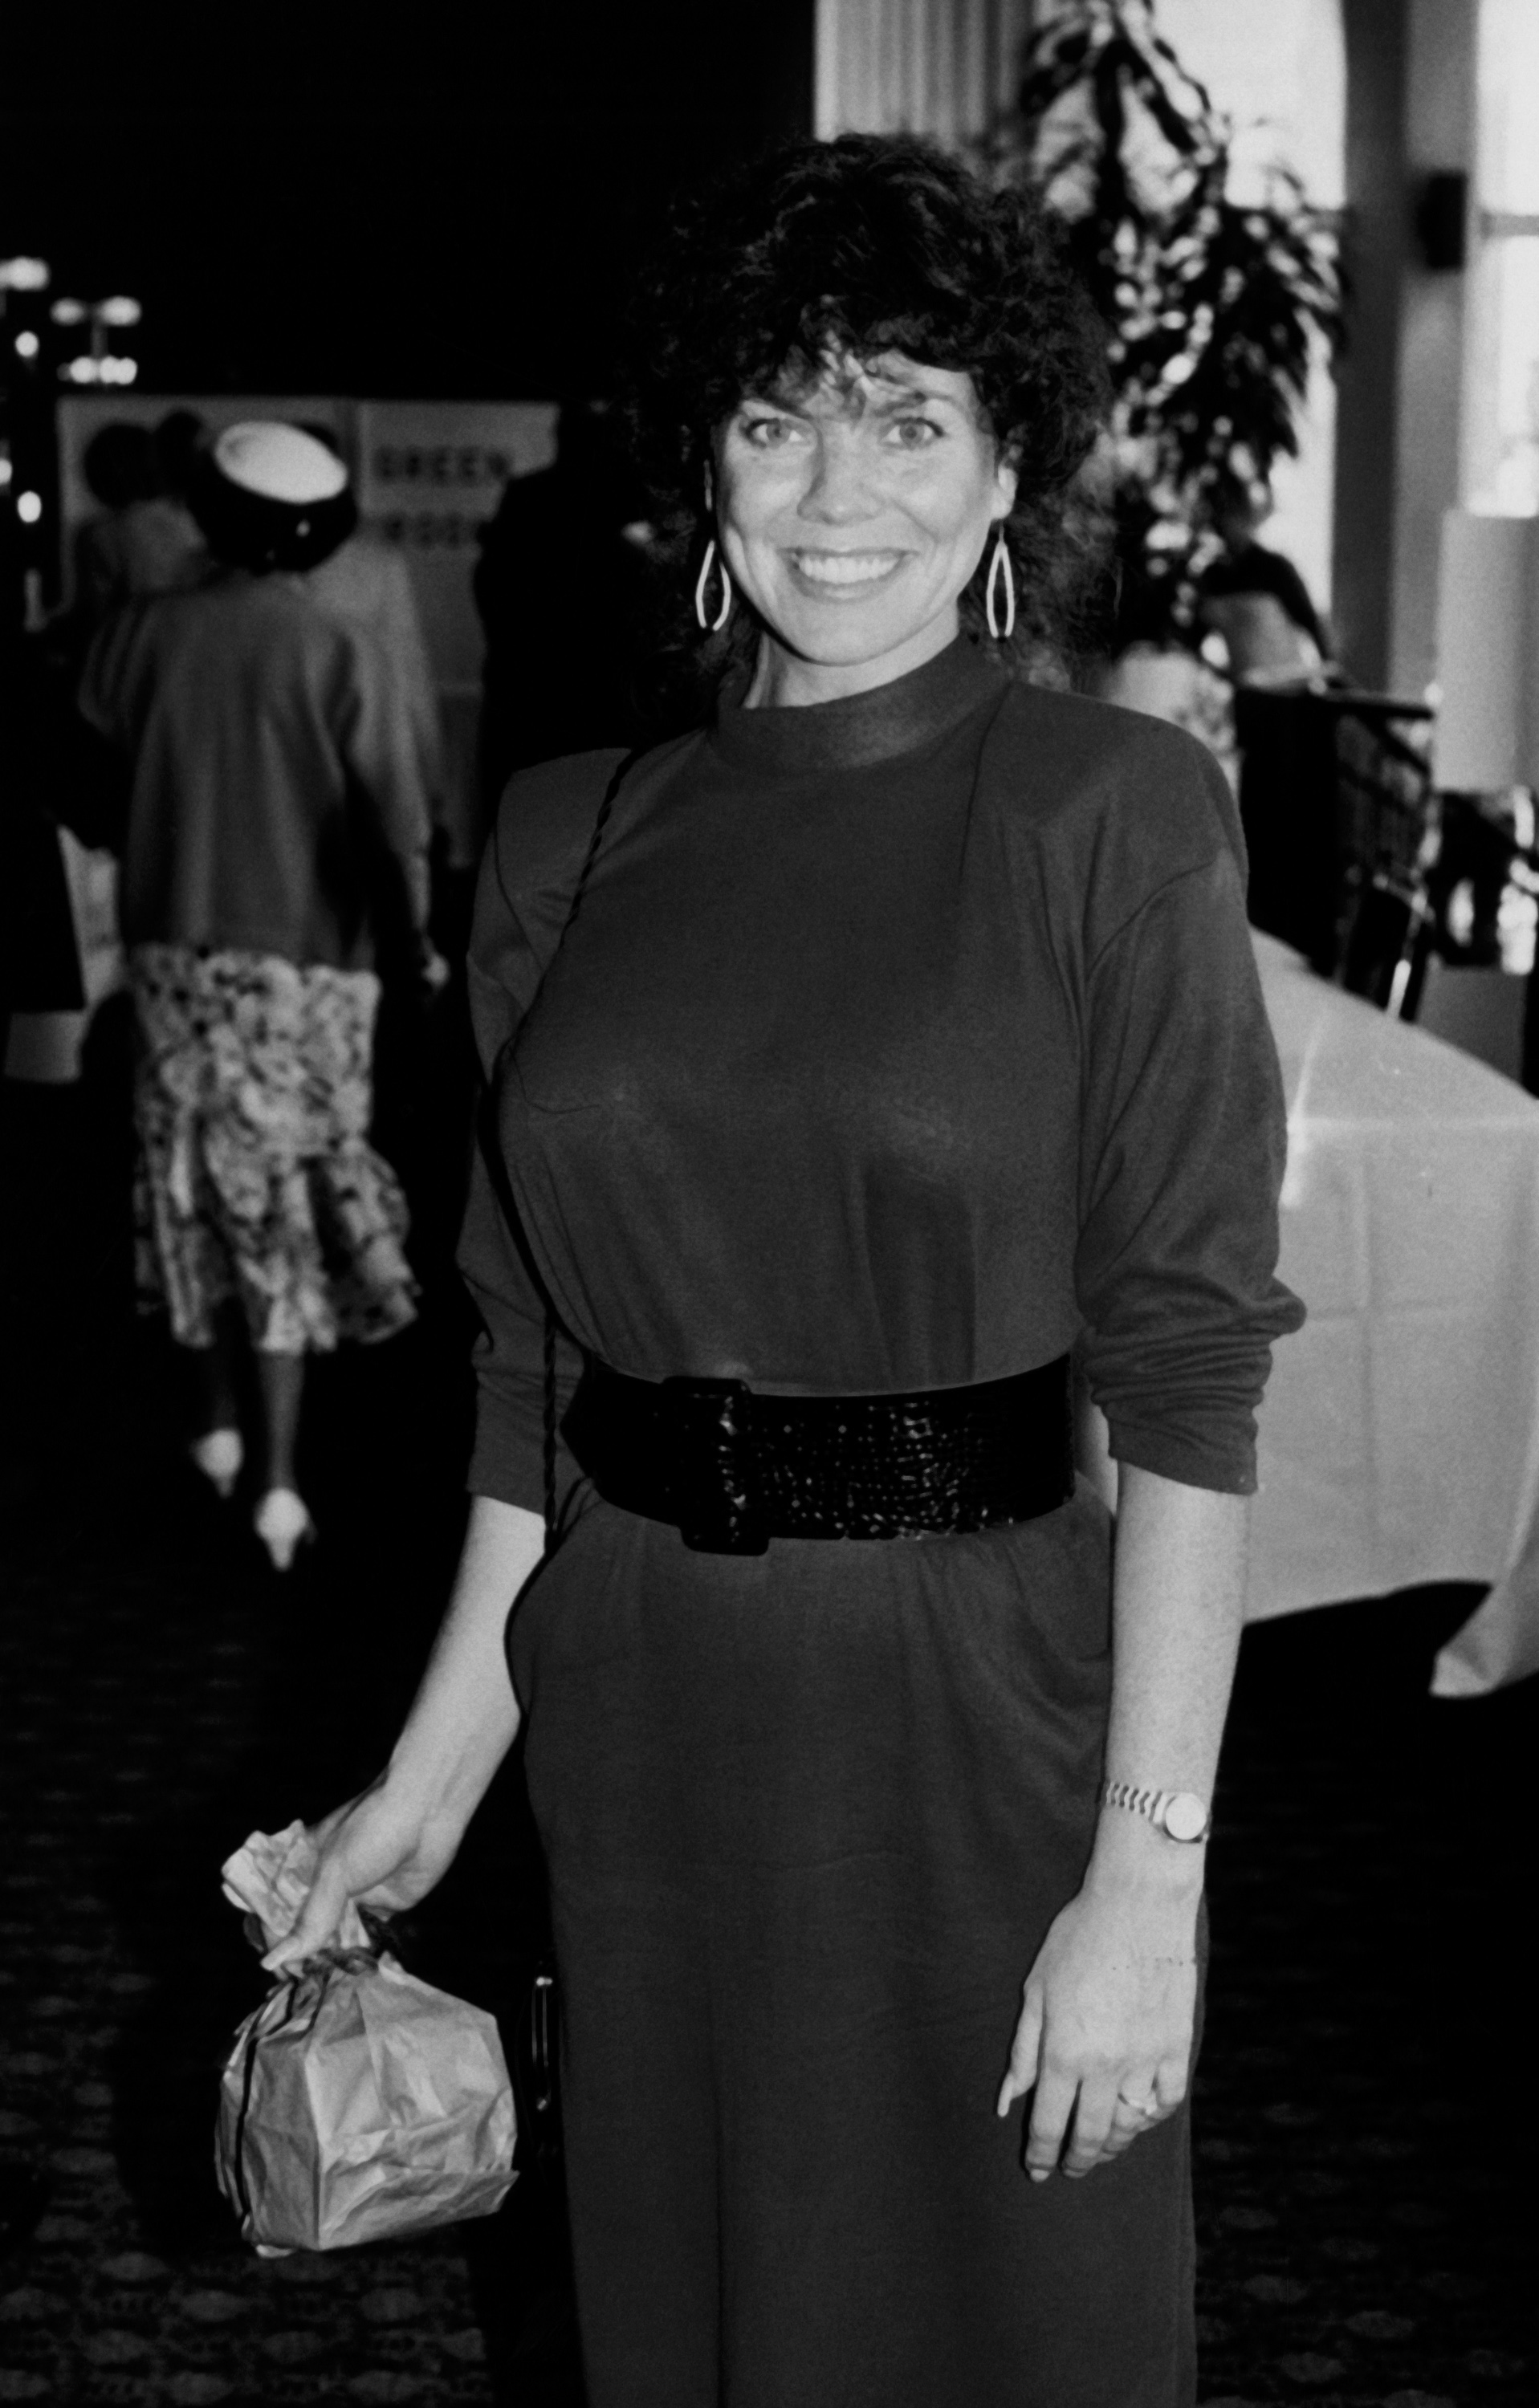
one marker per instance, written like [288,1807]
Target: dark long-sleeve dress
[900,1041]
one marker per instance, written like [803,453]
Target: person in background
[367,584]
[276,823]
[420,1060]
[40,952]
[180,440]
[567,548]
[1255,598]
[146,540]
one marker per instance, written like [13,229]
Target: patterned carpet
[1362,2184]
[1365,2222]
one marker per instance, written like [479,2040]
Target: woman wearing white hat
[275,781]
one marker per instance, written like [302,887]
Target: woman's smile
[842,576]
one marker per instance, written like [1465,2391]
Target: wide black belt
[733,1469]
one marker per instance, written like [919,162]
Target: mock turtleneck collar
[796,740]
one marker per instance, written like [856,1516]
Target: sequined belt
[732,1468]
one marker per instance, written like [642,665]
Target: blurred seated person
[1256,599]
[146,540]
[562,586]
[1152,667]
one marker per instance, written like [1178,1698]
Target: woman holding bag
[850,1060]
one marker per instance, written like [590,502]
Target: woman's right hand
[387,1847]
[375,1851]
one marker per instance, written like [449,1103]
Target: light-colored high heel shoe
[219,1454]
[283,1523]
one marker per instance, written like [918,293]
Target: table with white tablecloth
[1400,1433]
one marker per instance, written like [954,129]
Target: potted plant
[1216,297]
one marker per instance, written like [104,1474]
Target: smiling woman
[851,1058]
[852,366]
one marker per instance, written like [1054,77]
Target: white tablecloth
[1400,1433]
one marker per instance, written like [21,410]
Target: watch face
[1186,1816]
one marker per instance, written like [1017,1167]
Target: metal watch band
[1154,1804]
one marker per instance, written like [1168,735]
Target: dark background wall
[439,199]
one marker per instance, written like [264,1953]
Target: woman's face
[851,513]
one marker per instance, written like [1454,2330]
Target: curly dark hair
[848,249]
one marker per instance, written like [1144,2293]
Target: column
[1410,113]
[942,67]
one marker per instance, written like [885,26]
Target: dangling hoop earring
[1000,561]
[713,626]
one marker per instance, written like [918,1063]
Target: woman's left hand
[1105,2036]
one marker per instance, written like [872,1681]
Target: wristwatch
[1180,1813]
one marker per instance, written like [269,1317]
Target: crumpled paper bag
[357,2101]
[269,1879]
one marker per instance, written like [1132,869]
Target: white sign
[429,475]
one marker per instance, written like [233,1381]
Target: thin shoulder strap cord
[605,808]
[601,823]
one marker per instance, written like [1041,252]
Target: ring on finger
[1136,2106]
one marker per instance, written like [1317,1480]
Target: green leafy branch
[1215,306]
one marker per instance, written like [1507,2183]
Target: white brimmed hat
[282,462]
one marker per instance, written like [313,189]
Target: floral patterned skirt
[256,1182]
